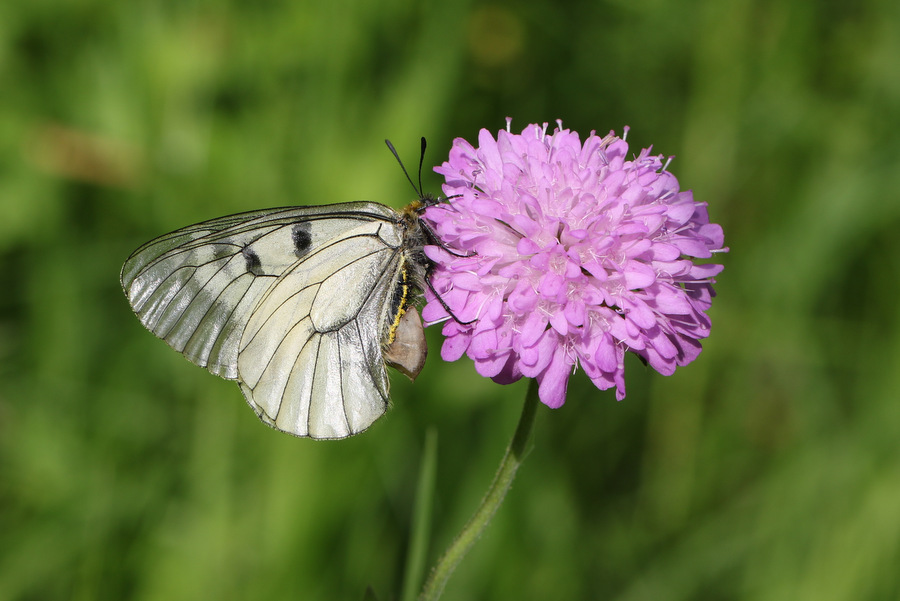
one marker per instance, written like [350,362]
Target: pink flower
[571,254]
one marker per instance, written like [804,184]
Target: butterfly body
[302,306]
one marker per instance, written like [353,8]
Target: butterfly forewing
[292,303]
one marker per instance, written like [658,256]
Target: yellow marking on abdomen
[401,309]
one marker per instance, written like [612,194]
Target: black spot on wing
[302,238]
[254,265]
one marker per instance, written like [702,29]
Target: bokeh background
[769,469]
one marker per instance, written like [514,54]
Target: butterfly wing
[292,303]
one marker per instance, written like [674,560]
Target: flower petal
[555,380]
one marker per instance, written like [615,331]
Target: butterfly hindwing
[292,303]
[332,349]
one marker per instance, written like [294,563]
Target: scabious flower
[565,254]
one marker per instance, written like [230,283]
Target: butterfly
[302,306]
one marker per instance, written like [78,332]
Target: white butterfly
[302,306]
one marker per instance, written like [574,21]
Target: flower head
[565,254]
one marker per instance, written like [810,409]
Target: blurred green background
[769,469]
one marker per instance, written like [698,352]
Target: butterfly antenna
[421,162]
[397,156]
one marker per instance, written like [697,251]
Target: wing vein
[226,317]
[187,307]
[340,368]
[315,375]
[293,371]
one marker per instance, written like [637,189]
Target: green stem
[434,586]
